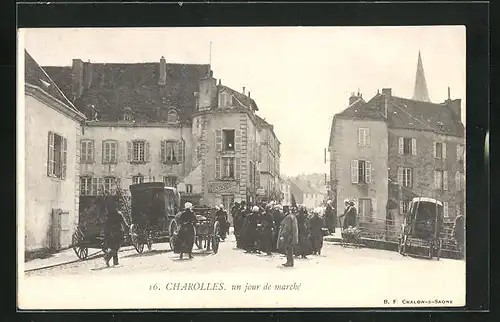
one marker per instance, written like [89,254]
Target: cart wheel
[135,238]
[172,229]
[81,251]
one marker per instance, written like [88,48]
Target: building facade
[269,157]
[164,122]
[306,194]
[52,134]
[403,148]
[286,192]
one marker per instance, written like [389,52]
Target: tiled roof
[304,187]
[240,99]
[36,76]
[115,87]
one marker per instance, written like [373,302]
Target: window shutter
[436,182]
[360,137]
[400,176]
[445,180]
[354,171]
[457,180]
[104,159]
[374,208]
[217,168]
[445,208]
[237,168]
[434,150]
[147,156]
[444,151]
[163,151]
[218,140]
[458,152]
[368,172]
[50,154]
[414,146]
[401,207]
[401,145]
[64,157]
[114,154]
[368,137]
[130,151]
[180,151]
[92,151]
[237,140]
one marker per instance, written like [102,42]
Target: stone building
[306,194]
[269,157]
[164,122]
[403,148]
[51,168]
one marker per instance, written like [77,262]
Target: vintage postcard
[278,167]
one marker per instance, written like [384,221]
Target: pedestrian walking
[238,222]
[113,235]
[221,217]
[184,238]
[316,233]
[250,230]
[304,247]
[459,233]
[330,217]
[288,236]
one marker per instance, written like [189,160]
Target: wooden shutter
[50,154]
[163,151]
[360,137]
[218,140]
[368,137]
[180,151]
[217,168]
[237,168]
[237,140]
[414,146]
[434,149]
[457,180]
[368,172]
[64,157]
[92,151]
[115,154]
[400,176]
[401,207]
[444,151]
[374,208]
[354,171]
[445,180]
[401,145]
[458,152]
[445,209]
[104,160]
[147,156]
[130,151]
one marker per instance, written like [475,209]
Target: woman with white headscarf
[185,235]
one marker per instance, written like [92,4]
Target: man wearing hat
[238,221]
[221,217]
[288,236]
[184,239]
[330,217]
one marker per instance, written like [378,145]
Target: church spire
[420,92]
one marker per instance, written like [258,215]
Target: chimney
[88,71]
[220,82]
[455,106]
[211,73]
[352,99]
[162,78]
[243,90]
[387,92]
[249,94]
[77,78]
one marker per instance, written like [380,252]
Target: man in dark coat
[238,221]
[459,233]
[113,236]
[288,236]
[268,230]
[303,248]
[250,230]
[350,215]
[316,233]
[221,217]
[277,218]
[185,236]
[330,217]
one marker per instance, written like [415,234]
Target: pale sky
[299,76]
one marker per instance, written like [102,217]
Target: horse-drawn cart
[207,230]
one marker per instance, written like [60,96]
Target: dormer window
[172,116]
[128,115]
[225,100]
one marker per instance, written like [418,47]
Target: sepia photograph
[241,167]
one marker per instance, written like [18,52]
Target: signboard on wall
[222,186]
[261,191]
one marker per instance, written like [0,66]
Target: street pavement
[339,277]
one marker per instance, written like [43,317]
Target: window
[459,180]
[172,116]
[228,168]
[110,185]
[109,151]
[441,179]
[85,186]
[170,181]
[128,116]
[57,156]
[365,209]
[361,171]
[404,205]
[169,151]
[87,151]
[439,150]
[364,137]
[407,146]
[225,100]
[138,151]
[228,137]
[446,213]
[137,179]
[460,152]
[405,177]
[189,188]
